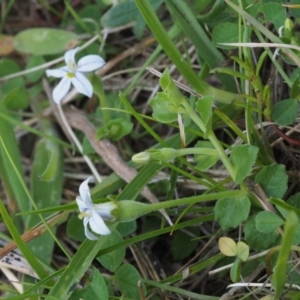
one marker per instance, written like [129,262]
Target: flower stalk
[129,210]
[167,154]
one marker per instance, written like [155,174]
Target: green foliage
[285,112]
[258,240]
[267,221]
[126,12]
[275,13]
[115,129]
[203,161]
[235,270]
[182,244]
[166,105]
[44,41]
[113,259]
[243,157]
[279,275]
[203,173]
[96,287]
[273,179]
[127,278]
[35,61]
[13,91]
[230,212]
[226,33]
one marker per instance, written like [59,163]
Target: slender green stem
[213,139]
[193,200]
[77,143]
[204,151]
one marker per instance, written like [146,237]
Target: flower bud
[129,210]
[163,155]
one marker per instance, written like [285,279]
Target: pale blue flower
[93,214]
[73,73]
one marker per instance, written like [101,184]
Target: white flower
[93,214]
[73,73]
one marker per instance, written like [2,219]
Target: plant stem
[193,200]
[77,143]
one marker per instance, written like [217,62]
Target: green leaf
[184,16]
[16,99]
[13,91]
[163,110]
[127,228]
[242,251]
[75,229]
[89,16]
[273,179]
[166,105]
[267,221]
[204,107]
[127,278]
[231,212]
[275,13]
[182,244]
[47,192]
[204,162]
[49,163]
[279,276]
[243,157]
[227,246]
[45,41]
[175,55]
[95,288]
[113,260]
[76,268]
[256,239]
[226,33]
[235,270]
[285,112]
[34,61]
[8,175]
[115,129]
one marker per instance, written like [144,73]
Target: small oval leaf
[45,41]
[242,251]
[227,246]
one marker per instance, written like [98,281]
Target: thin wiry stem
[77,143]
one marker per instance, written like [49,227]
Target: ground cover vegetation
[149,149]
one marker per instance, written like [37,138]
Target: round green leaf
[231,212]
[267,221]
[285,112]
[45,41]
[273,179]
[242,251]
[258,240]
[127,278]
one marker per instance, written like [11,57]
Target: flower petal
[87,232]
[85,195]
[90,63]
[57,73]
[61,89]
[81,204]
[104,210]
[82,85]
[70,55]
[98,225]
